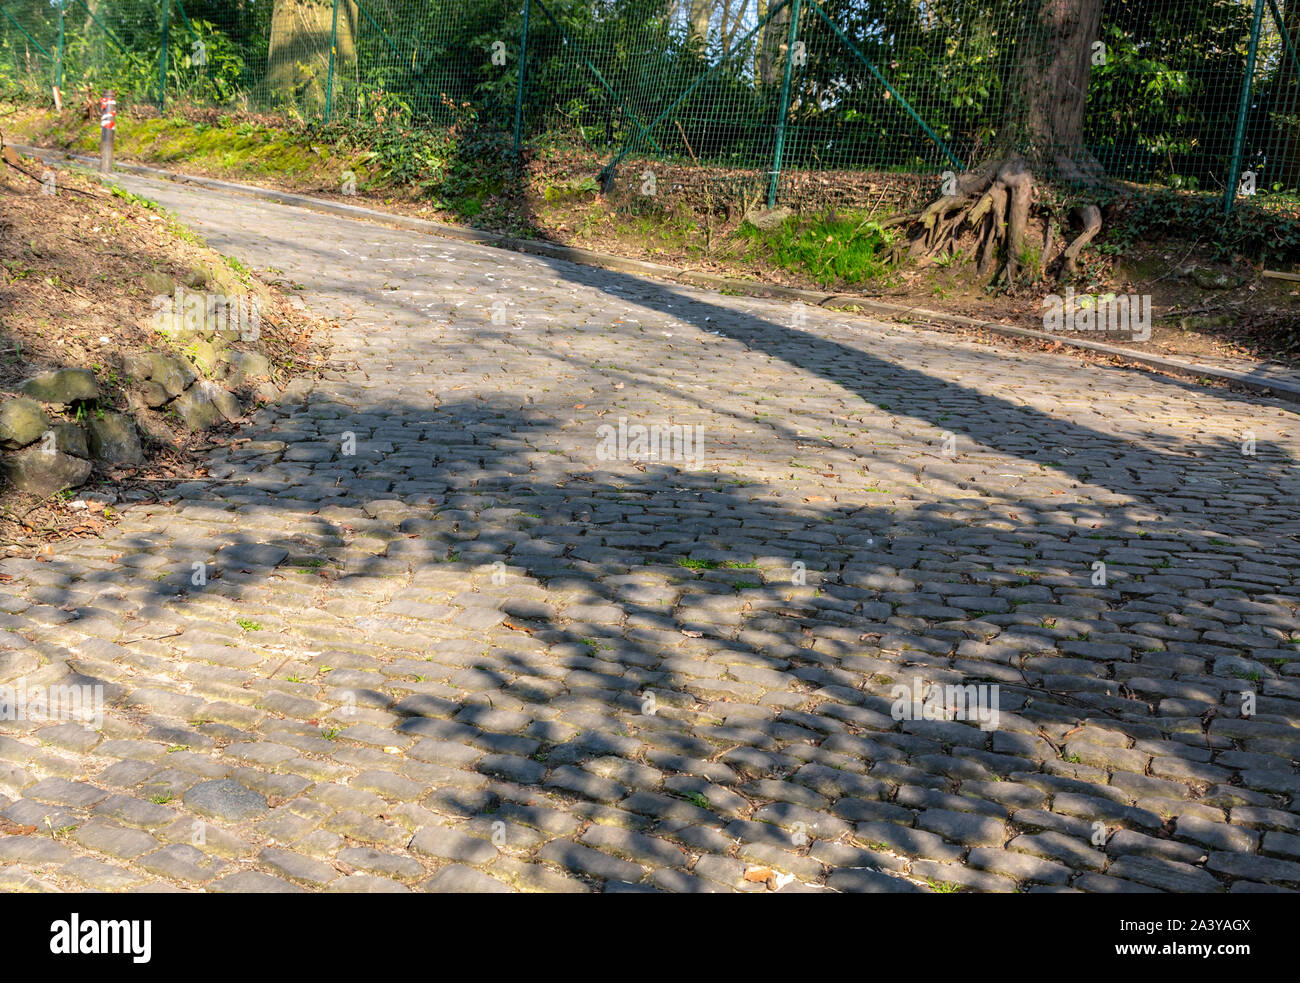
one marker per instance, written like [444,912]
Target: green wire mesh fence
[792,101]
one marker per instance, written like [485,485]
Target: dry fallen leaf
[766,875]
[759,875]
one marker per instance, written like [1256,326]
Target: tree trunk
[89,27]
[1043,131]
[298,61]
[1052,90]
[775,35]
[730,20]
[700,12]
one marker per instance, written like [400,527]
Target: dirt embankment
[126,347]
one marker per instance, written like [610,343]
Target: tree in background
[1041,133]
[1001,83]
[1287,100]
[298,60]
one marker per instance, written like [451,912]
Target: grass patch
[689,564]
[828,248]
[944,887]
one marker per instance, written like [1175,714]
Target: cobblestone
[499,622]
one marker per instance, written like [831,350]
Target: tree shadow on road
[633,648]
[691,655]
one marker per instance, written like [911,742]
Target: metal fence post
[779,148]
[329,84]
[1243,107]
[162,56]
[519,89]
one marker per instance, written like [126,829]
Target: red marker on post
[107,129]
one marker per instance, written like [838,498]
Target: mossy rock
[71,439]
[208,357]
[196,411]
[205,404]
[765,219]
[1208,279]
[62,387]
[38,472]
[172,374]
[113,439]
[245,366]
[22,422]
[159,285]
[153,395]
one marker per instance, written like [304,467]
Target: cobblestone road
[493,650]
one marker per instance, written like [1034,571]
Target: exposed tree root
[995,200]
[1090,216]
